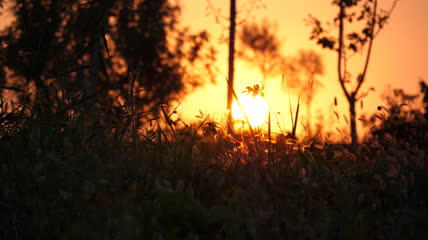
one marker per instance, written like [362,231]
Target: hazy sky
[399,55]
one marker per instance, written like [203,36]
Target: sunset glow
[386,66]
[256,109]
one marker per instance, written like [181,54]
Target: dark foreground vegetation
[69,177]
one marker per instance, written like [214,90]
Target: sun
[255,107]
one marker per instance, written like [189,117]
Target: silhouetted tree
[365,12]
[57,40]
[34,49]
[261,47]
[166,66]
[31,42]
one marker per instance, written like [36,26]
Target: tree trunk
[231,63]
[353,124]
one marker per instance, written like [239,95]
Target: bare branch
[362,76]
[340,50]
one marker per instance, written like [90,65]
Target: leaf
[105,42]
[326,43]
[319,146]
[367,32]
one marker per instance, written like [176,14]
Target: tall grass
[161,178]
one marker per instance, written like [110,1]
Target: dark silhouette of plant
[401,119]
[261,47]
[351,14]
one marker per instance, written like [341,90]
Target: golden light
[256,109]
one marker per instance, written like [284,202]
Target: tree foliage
[54,40]
[261,47]
[301,76]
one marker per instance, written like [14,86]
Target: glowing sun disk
[256,109]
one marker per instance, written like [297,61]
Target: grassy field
[64,176]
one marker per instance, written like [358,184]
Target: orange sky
[399,56]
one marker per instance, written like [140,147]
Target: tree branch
[340,50]
[362,76]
